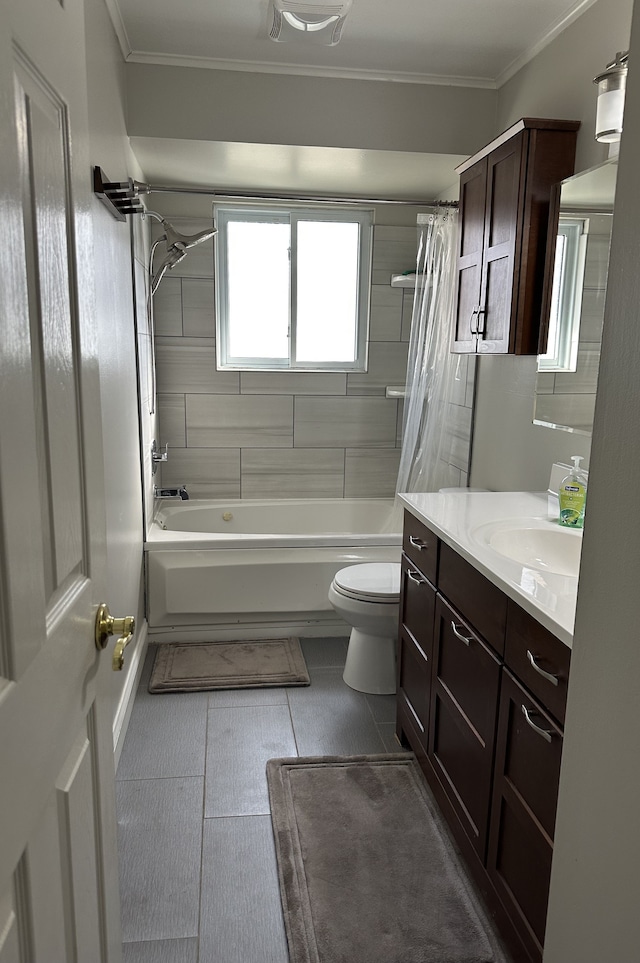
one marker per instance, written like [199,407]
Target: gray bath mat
[196,666]
[367,873]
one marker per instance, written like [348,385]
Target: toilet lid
[378,581]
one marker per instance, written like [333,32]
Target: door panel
[58,867]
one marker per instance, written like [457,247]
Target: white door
[58,869]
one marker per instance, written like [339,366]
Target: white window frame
[564,322]
[223,214]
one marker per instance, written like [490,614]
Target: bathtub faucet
[171,493]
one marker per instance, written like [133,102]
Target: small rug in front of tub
[366,868]
[199,666]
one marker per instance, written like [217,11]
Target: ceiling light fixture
[319,23]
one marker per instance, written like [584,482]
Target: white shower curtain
[431,368]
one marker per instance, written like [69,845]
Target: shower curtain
[432,369]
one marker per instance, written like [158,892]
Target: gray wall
[229,105]
[593,909]
[510,453]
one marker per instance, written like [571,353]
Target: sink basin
[535,543]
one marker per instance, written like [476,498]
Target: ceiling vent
[316,23]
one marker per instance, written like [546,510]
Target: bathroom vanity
[487,604]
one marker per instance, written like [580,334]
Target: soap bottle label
[572,498]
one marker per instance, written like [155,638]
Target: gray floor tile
[241,915]
[239,742]
[166,736]
[159,843]
[329,718]
[383,707]
[223,698]
[161,951]
[388,733]
[327,652]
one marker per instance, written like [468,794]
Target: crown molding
[554,31]
[171,60]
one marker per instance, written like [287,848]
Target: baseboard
[249,630]
[134,662]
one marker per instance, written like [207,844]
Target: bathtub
[222,569]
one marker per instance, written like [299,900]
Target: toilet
[367,597]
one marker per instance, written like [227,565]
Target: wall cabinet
[505,191]
[481,700]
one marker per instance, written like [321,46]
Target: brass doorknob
[107,626]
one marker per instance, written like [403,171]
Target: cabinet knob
[417,543]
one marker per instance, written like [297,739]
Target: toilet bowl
[366,597]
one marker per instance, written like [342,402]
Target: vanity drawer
[421,546]
[538,659]
[418,600]
[483,605]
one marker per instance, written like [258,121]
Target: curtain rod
[272,196]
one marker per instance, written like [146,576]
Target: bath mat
[367,871]
[199,666]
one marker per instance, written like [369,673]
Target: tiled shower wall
[285,434]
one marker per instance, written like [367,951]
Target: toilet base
[371,663]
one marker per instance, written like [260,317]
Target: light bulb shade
[308,22]
[612,84]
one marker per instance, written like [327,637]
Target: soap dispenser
[572,495]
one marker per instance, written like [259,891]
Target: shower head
[177,247]
[182,242]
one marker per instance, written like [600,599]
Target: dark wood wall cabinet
[505,191]
[481,701]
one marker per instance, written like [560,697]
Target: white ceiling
[472,42]
[446,41]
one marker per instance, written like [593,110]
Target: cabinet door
[503,217]
[527,771]
[472,224]
[464,699]
[415,645]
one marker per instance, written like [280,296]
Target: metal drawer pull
[553,679]
[416,578]
[458,635]
[541,732]
[417,543]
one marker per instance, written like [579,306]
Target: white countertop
[455,517]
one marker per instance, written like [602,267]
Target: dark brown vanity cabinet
[481,699]
[505,191]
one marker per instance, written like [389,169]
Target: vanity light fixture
[612,84]
[319,23]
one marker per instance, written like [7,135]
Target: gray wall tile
[352,421]
[371,473]
[161,951]
[206,472]
[187,367]
[298,473]
[387,366]
[385,319]
[172,421]
[167,308]
[293,383]
[241,421]
[394,251]
[198,317]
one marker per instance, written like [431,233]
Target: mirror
[567,375]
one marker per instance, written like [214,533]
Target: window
[566,297]
[292,288]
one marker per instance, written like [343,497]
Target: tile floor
[197,862]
